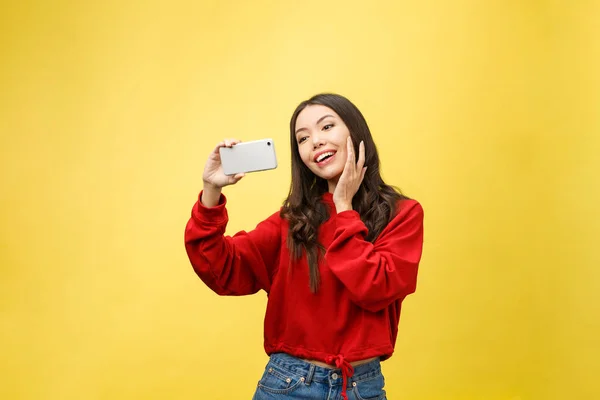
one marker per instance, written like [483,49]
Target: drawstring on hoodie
[347,370]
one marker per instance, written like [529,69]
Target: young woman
[336,260]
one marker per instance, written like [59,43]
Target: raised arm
[377,274]
[238,265]
[232,265]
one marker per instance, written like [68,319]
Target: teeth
[322,156]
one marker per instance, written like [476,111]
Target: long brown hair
[375,201]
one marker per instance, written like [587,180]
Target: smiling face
[322,137]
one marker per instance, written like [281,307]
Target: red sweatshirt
[355,313]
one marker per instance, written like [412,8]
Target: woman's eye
[302,139]
[328,127]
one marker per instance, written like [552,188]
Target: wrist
[210,186]
[341,207]
[210,195]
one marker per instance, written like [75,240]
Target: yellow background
[486,112]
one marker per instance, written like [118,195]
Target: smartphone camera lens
[268,143]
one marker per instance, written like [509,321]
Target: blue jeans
[287,378]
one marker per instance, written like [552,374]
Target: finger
[237,177]
[231,142]
[216,149]
[361,155]
[345,172]
[362,175]
[351,159]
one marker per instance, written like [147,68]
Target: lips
[323,156]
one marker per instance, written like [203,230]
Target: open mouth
[324,157]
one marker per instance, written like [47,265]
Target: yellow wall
[486,112]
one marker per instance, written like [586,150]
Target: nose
[317,140]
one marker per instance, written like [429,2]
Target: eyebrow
[320,119]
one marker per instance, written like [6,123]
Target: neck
[332,183]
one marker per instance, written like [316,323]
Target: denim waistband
[312,372]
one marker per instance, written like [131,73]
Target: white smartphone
[258,155]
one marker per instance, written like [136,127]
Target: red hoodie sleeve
[377,274]
[231,265]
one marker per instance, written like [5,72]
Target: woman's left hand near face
[351,178]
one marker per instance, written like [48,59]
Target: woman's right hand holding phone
[214,178]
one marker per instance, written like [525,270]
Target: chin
[329,173]
[328,177]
